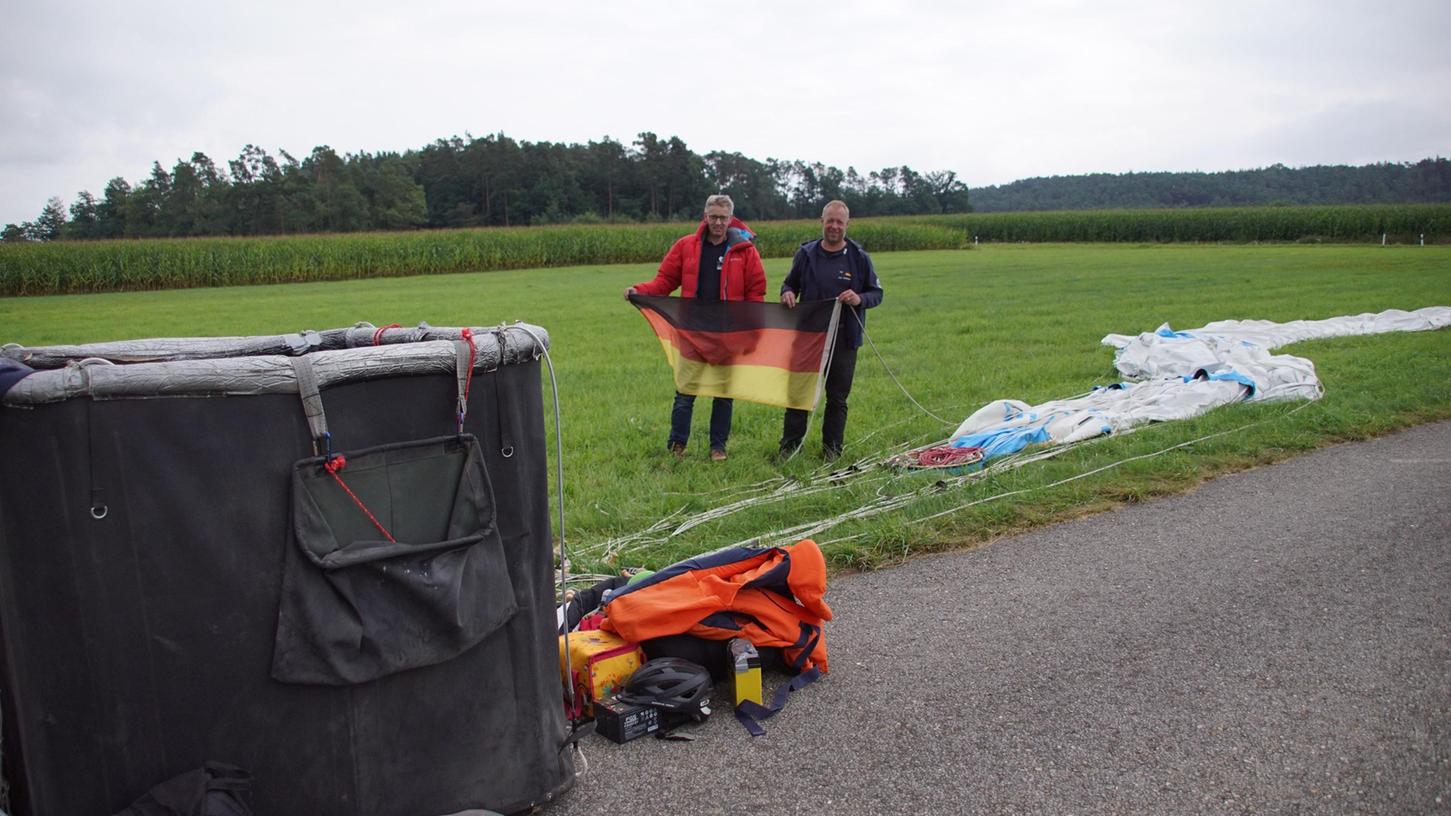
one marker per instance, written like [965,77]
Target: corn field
[1399,223]
[68,267]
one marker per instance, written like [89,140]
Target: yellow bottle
[745,671]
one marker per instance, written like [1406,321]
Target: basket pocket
[356,606]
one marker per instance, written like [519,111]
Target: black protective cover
[140,644]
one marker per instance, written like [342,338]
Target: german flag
[758,352]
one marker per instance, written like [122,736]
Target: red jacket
[741,276]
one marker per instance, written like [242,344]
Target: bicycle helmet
[671,684]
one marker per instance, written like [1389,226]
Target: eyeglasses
[717,218]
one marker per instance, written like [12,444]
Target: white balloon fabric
[1180,374]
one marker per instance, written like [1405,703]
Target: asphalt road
[1277,641]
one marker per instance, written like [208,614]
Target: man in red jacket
[716,262]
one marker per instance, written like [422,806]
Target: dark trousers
[720,420]
[833,420]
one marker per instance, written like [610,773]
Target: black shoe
[785,452]
[831,454]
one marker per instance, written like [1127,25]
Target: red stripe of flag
[776,348]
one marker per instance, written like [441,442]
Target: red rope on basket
[337,463]
[378,334]
[467,336]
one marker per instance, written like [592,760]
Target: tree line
[498,181]
[1425,182]
[475,181]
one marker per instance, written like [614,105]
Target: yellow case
[600,663]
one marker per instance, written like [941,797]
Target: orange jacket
[742,277]
[771,597]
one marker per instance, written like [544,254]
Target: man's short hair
[722,200]
[836,203]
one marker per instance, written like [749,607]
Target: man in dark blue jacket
[833,267]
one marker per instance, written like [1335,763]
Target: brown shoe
[677,450]
[717,455]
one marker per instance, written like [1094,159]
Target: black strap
[806,642]
[311,394]
[506,444]
[750,712]
[99,510]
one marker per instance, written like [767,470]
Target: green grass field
[959,328]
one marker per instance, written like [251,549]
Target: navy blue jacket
[11,372]
[810,282]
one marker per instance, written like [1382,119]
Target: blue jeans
[720,420]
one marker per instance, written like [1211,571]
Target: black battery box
[623,722]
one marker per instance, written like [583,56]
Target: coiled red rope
[938,456]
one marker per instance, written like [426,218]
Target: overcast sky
[996,91]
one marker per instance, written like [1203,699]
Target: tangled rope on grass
[936,457]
